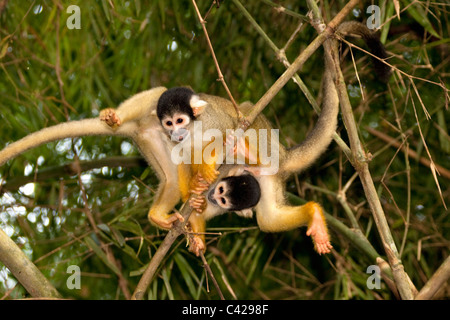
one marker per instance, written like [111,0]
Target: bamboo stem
[24,270]
[360,162]
[436,281]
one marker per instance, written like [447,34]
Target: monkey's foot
[196,245]
[198,203]
[167,222]
[319,234]
[110,117]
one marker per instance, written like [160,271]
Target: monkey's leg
[198,226]
[168,196]
[286,218]
[185,180]
[273,215]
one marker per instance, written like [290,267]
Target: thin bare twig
[211,274]
[411,153]
[219,72]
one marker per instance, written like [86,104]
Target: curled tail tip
[382,70]
[374,44]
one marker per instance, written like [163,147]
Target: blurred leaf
[417,12]
[99,252]
[186,272]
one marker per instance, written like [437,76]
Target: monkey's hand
[319,234]
[240,149]
[167,221]
[196,245]
[110,117]
[197,186]
[198,203]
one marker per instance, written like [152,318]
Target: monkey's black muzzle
[211,197]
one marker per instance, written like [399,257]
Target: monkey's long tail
[304,154]
[372,41]
[64,130]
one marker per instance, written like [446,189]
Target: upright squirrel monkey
[133,119]
[177,110]
[180,107]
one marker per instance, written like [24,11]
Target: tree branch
[360,163]
[24,270]
[436,281]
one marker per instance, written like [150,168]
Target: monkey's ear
[236,171]
[153,113]
[198,105]
[246,213]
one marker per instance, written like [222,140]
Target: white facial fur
[177,126]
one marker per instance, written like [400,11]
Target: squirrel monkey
[133,119]
[177,110]
[273,214]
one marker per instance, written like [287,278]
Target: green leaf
[99,252]
[166,279]
[417,12]
[186,272]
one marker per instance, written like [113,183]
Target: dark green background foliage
[50,74]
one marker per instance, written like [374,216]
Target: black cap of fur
[175,100]
[244,191]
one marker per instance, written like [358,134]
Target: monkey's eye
[223,200]
[179,120]
[220,190]
[169,123]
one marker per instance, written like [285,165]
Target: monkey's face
[177,126]
[236,193]
[219,195]
[177,109]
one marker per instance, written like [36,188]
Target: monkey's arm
[205,171]
[137,107]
